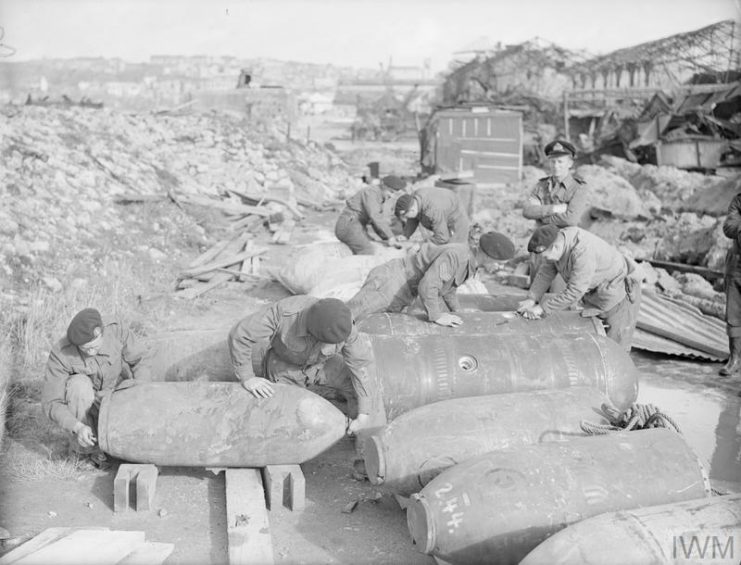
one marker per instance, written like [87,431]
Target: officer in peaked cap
[558,148]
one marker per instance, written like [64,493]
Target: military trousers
[387,288]
[352,233]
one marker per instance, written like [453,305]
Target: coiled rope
[637,417]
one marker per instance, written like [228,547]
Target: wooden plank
[39,541]
[196,291]
[149,553]
[228,207]
[248,529]
[223,262]
[209,254]
[259,198]
[709,274]
[83,547]
[134,198]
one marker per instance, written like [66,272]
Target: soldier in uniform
[438,210]
[434,273]
[561,199]
[366,207]
[594,271]
[91,360]
[732,230]
[303,340]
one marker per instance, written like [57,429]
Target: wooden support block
[248,529]
[146,484]
[285,485]
[145,477]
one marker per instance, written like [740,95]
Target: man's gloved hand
[84,434]
[525,305]
[258,387]
[450,320]
[559,208]
[532,313]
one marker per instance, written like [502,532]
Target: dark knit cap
[402,204]
[497,246]
[329,320]
[80,330]
[543,238]
[393,182]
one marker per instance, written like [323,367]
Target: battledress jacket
[283,325]
[120,357]
[438,209]
[592,268]
[732,230]
[572,191]
[437,271]
[368,205]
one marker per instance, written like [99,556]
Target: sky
[358,33]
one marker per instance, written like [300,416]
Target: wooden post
[566,115]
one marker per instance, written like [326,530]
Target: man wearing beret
[594,271]
[438,210]
[366,207]
[303,340]
[561,199]
[92,359]
[434,273]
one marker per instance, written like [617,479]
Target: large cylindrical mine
[707,530]
[419,370]
[417,446]
[506,502]
[203,424]
[488,323]
[491,302]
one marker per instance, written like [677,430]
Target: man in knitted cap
[433,273]
[438,210]
[366,207]
[594,271]
[303,340]
[92,359]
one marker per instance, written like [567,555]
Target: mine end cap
[420,523]
[375,463]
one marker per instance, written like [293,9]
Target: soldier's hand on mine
[533,313]
[259,387]
[358,424]
[85,436]
[394,242]
[450,320]
[524,305]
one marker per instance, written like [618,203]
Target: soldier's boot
[734,360]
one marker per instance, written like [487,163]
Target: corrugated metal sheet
[688,331]
[489,143]
[657,344]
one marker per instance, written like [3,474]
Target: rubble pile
[63,170]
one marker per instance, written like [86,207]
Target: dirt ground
[189,507]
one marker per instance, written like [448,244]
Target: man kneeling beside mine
[304,341]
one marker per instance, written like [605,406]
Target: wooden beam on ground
[196,291]
[36,543]
[149,553]
[223,263]
[228,207]
[710,274]
[134,198]
[259,198]
[88,546]
[248,529]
